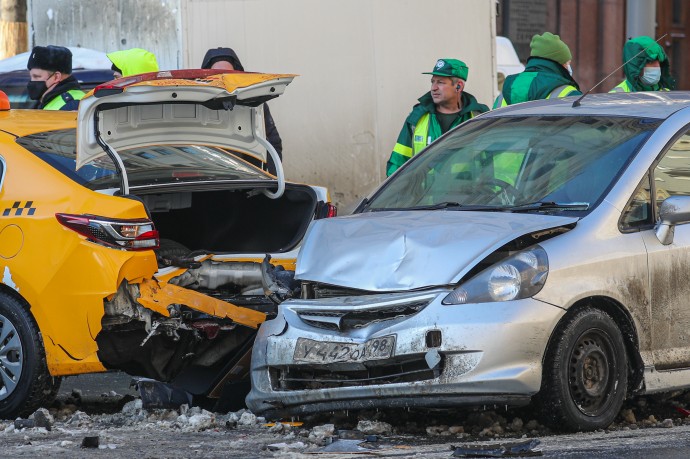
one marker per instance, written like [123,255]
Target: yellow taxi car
[136,235]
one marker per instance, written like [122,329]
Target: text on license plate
[308,350]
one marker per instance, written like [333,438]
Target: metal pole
[640,18]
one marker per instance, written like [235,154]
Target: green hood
[133,61]
[639,51]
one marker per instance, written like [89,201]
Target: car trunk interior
[233,221]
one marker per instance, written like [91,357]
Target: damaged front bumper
[319,355]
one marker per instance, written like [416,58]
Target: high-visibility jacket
[64,96]
[560,91]
[542,79]
[60,101]
[421,128]
[625,86]
[134,61]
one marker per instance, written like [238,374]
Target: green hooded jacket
[634,51]
[407,146]
[539,79]
[133,61]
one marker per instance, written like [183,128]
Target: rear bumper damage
[163,328]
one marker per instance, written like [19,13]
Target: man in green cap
[547,74]
[646,67]
[439,110]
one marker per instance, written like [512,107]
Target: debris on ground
[517,449]
[156,394]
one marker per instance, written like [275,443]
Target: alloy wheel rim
[11,357]
[591,370]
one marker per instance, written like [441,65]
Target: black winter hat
[55,58]
[214,55]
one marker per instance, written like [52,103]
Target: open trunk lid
[203,107]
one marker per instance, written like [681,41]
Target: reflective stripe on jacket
[59,102]
[559,92]
[625,86]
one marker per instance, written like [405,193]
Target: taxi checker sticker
[18,209]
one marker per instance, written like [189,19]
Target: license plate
[308,350]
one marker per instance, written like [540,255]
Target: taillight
[325,210]
[135,234]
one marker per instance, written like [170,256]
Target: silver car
[538,253]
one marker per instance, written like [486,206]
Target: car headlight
[521,275]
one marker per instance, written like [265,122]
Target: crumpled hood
[400,250]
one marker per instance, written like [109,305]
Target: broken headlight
[521,275]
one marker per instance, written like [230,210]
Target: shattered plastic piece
[285,423]
[90,442]
[156,394]
[519,449]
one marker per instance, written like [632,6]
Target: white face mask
[569,69]
[651,76]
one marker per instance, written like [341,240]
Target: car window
[157,164]
[513,161]
[672,173]
[638,212]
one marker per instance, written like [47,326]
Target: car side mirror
[673,211]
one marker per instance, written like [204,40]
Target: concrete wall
[360,63]
[109,26]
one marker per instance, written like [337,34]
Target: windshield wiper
[452,205]
[549,205]
[440,205]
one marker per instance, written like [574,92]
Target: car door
[669,264]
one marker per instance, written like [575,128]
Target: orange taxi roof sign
[4,101]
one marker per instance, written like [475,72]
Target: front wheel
[25,383]
[585,373]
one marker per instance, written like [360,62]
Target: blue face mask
[651,76]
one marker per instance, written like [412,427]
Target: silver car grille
[343,320]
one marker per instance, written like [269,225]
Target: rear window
[151,165]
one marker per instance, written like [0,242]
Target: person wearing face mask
[547,74]
[646,67]
[52,83]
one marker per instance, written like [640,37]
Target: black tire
[169,248]
[25,383]
[585,373]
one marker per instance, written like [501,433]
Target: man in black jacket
[52,83]
[226,58]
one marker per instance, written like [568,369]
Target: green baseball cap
[449,68]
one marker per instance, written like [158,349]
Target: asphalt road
[253,442]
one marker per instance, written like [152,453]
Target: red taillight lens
[332,210]
[136,234]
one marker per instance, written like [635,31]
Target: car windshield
[530,163]
[158,164]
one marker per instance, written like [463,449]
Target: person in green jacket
[646,67]
[132,62]
[52,83]
[439,110]
[547,73]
